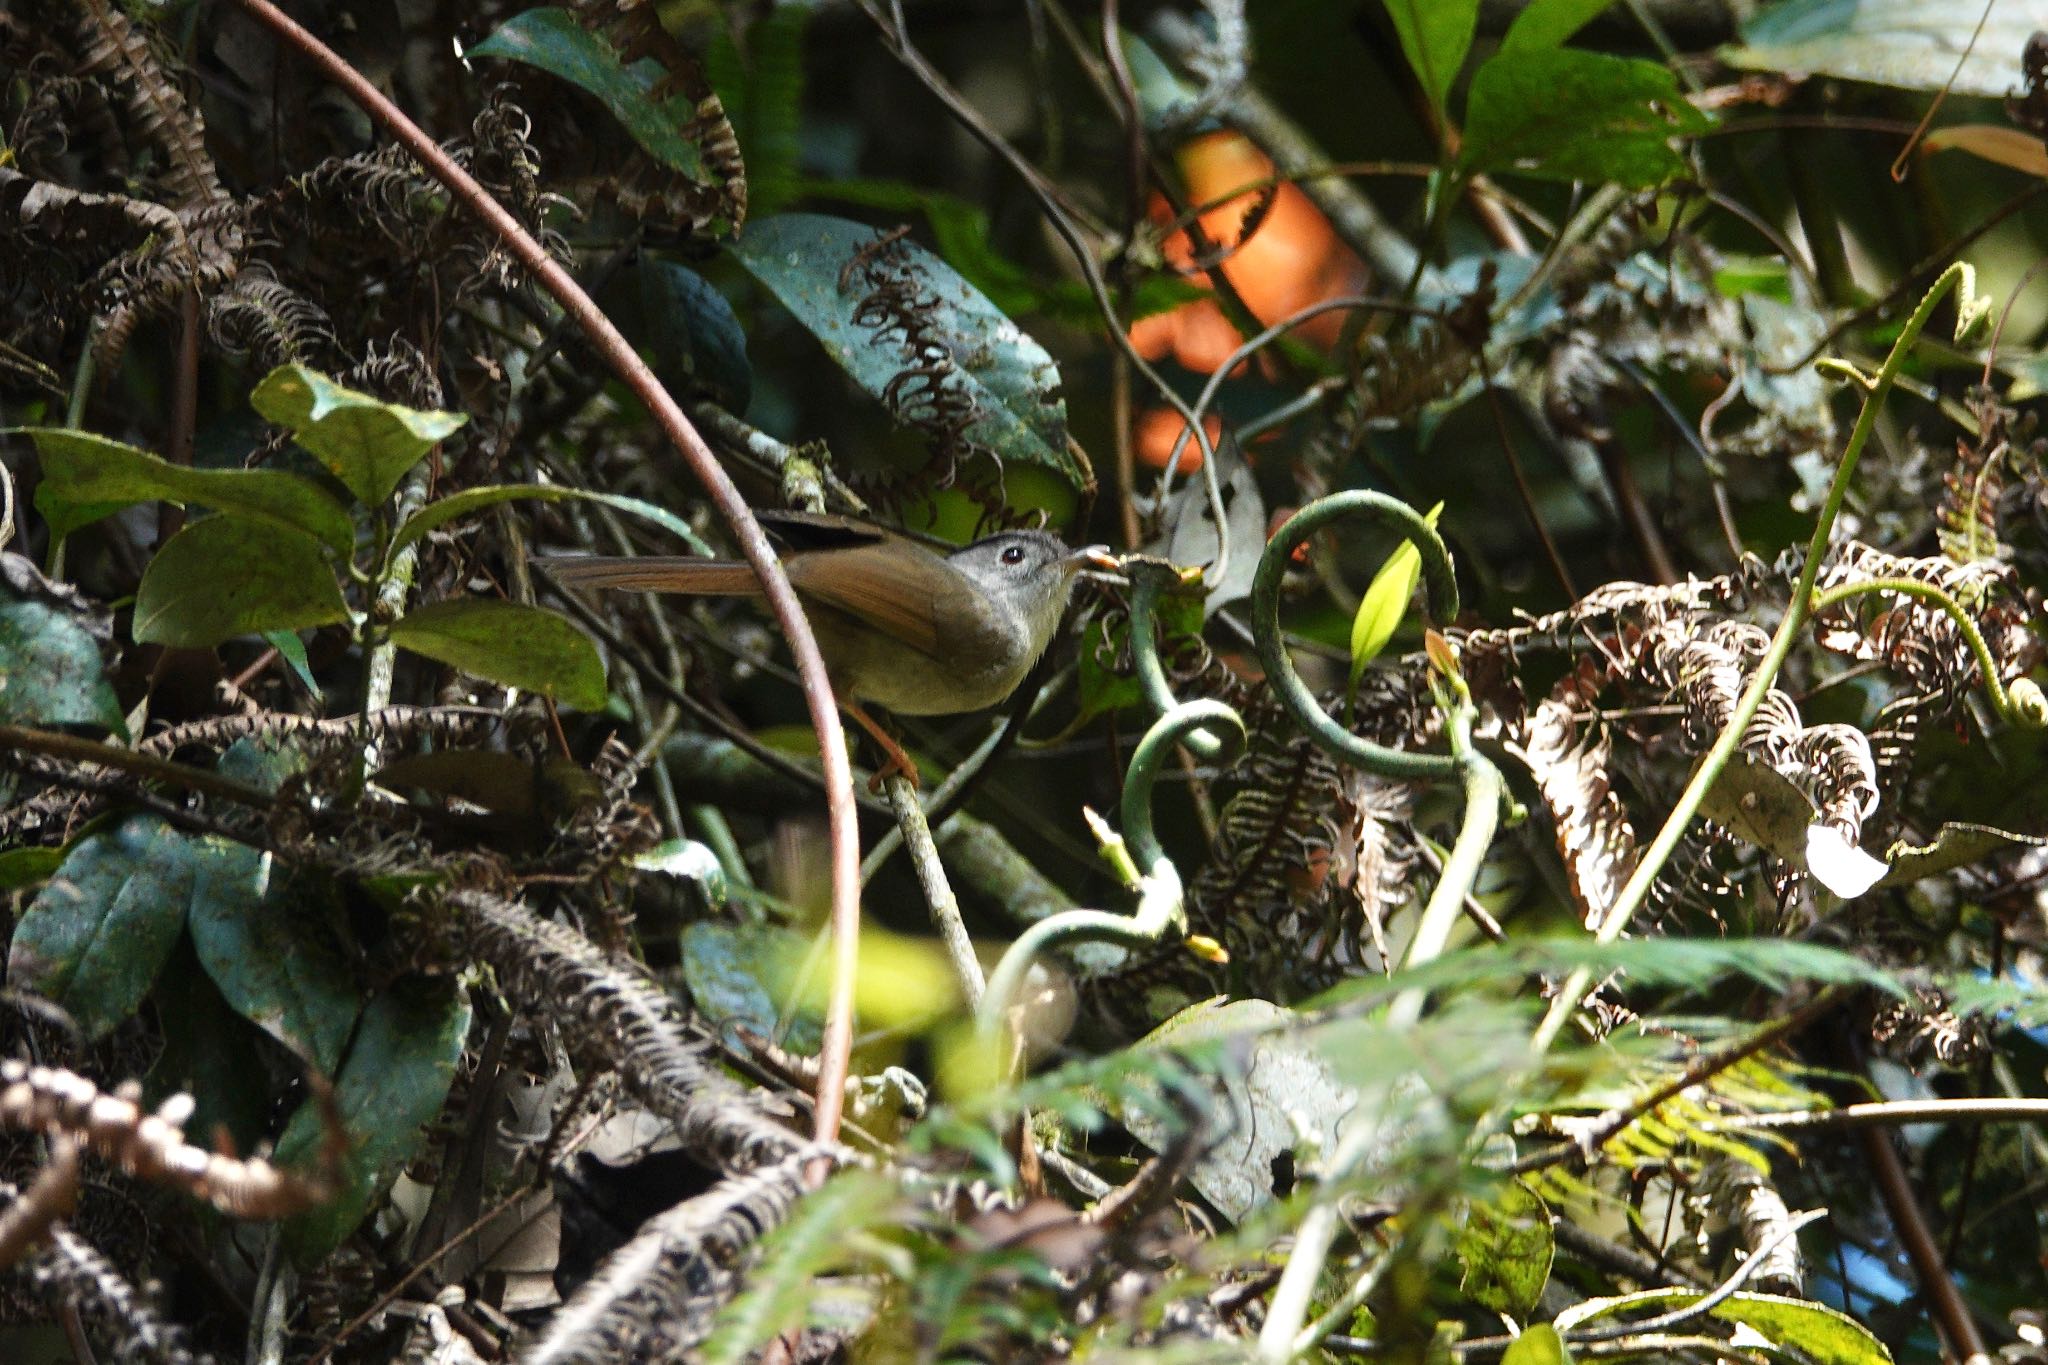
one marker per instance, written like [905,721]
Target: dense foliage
[1533,853]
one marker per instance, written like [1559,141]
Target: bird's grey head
[1030,572]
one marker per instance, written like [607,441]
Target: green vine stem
[1150,578]
[1162,902]
[1293,693]
[1969,310]
[2023,705]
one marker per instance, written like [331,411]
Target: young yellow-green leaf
[1816,1332]
[86,477]
[1386,602]
[365,442]
[1540,1345]
[1548,23]
[227,576]
[506,642]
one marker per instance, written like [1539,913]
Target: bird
[900,625]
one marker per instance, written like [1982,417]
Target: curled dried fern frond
[613,1015]
[655,1297]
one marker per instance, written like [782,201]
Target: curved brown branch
[617,352]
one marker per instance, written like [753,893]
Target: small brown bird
[899,624]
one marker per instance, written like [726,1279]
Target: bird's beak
[1096,561]
[1095,557]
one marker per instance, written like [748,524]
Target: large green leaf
[1008,378]
[506,642]
[98,932]
[1908,43]
[553,41]
[395,1080]
[1562,114]
[1817,1333]
[226,576]
[1435,36]
[259,932]
[50,670]
[365,442]
[86,477]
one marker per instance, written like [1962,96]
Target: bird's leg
[898,761]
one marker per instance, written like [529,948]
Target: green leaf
[1539,1345]
[1819,1334]
[288,644]
[762,90]
[265,936]
[365,442]
[1009,379]
[98,932]
[509,643]
[553,41]
[687,328]
[86,477]
[1907,43]
[50,670]
[1562,114]
[24,867]
[1435,36]
[227,576]
[441,511]
[1506,1248]
[1386,602]
[1549,23]
[394,1082]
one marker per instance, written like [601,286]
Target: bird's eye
[1013,554]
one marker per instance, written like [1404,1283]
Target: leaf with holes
[509,643]
[976,357]
[228,576]
[365,442]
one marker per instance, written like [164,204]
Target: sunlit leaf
[1386,602]
[1817,1333]
[365,442]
